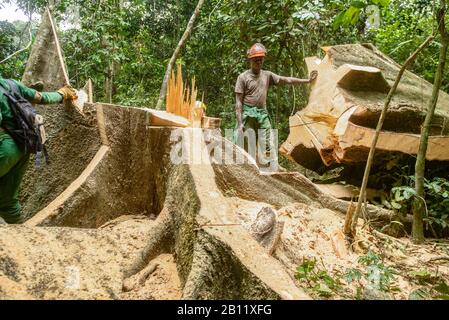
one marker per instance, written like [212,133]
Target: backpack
[29,133]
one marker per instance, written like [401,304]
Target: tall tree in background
[419,208]
[180,45]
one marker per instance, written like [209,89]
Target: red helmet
[257,50]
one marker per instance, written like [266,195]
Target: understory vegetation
[372,279]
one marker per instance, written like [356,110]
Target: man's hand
[68,93]
[313,76]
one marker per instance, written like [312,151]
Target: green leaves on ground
[319,280]
[433,286]
[324,284]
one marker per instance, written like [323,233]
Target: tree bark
[180,45]
[378,129]
[109,82]
[419,201]
[44,63]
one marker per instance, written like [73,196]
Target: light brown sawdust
[162,284]
[308,233]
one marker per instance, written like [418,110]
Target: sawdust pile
[161,284]
[315,234]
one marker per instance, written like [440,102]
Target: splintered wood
[181,100]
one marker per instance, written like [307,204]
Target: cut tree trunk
[43,63]
[134,201]
[345,104]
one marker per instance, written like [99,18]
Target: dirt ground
[314,235]
[162,284]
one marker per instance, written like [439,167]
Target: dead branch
[21,50]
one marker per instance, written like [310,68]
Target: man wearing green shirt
[13,160]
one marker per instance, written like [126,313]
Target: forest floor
[162,284]
[316,254]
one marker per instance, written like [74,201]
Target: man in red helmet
[251,92]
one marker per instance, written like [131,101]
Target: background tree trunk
[109,81]
[380,123]
[419,202]
[172,61]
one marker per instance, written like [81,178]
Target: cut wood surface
[162,118]
[354,144]
[337,125]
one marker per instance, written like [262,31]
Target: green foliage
[437,201]
[433,286]
[13,37]
[110,42]
[319,280]
[323,284]
[6,38]
[353,13]
[404,28]
[395,174]
[376,272]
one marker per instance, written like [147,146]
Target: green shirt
[6,115]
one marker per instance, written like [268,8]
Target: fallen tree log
[337,125]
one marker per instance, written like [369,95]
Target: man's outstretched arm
[297,81]
[65,93]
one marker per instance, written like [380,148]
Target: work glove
[313,76]
[68,93]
